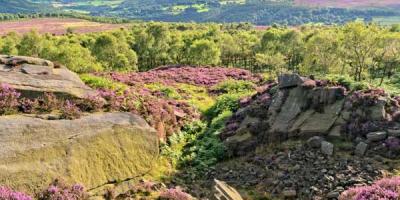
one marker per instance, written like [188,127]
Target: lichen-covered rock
[327,148]
[94,150]
[290,80]
[294,111]
[361,148]
[34,76]
[225,192]
[377,136]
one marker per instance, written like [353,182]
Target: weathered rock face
[225,192]
[34,76]
[94,150]
[294,109]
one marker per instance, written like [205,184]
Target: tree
[152,44]
[204,52]
[31,44]
[321,53]
[114,54]
[360,43]
[10,42]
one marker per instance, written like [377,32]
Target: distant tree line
[363,51]
[19,16]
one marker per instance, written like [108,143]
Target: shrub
[234,86]
[91,103]
[61,191]
[343,80]
[225,102]
[387,188]
[8,194]
[174,194]
[28,105]
[218,122]
[347,82]
[48,102]
[8,99]
[70,111]
[164,90]
[97,82]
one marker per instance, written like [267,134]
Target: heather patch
[9,194]
[387,188]
[200,76]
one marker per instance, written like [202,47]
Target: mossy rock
[95,150]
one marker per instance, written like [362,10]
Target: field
[55,26]
[347,3]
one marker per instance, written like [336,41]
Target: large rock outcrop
[298,107]
[34,76]
[94,150]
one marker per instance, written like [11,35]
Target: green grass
[168,91]
[97,82]
[197,97]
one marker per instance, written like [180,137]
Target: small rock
[393,132]
[290,80]
[289,193]
[361,148]
[327,148]
[224,191]
[377,136]
[332,195]
[315,142]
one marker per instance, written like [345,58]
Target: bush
[8,194]
[347,82]
[70,111]
[387,188]
[61,191]
[164,90]
[8,99]
[225,102]
[234,86]
[175,194]
[97,82]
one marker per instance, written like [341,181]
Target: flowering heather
[29,106]
[60,191]
[175,194]
[200,76]
[387,188]
[8,194]
[8,99]
[70,111]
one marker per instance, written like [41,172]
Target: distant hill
[261,12]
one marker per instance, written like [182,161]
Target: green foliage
[167,91]
[366,52]
[348,82]
[31,44]
[114,53]
[225,102]
[77,58]
[196,96]
[234,86]
[204,52]
[102,83]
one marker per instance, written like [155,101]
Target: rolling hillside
[261,12]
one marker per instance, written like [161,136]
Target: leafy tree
[114,54]
[322,53]
[360,43]
[31,44]
[204,52]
